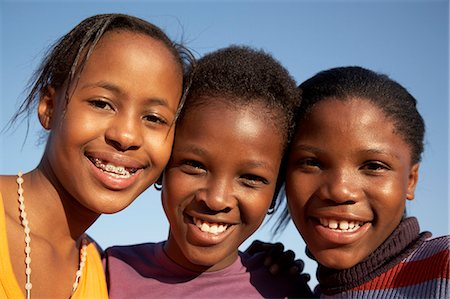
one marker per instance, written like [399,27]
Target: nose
[217,195]
[342,187]
[124,132]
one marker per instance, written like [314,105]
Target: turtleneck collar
[404,239]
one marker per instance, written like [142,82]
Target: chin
[202,259]
[339,261]
[207,260]
[110,206]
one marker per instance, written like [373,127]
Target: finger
[273,253]
[274,269]
[282,264]
[286,261]
[255,247]
[268,261]
[305,277]
[296,267]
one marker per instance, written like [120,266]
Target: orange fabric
[92,283]
[9,288]
[412,273]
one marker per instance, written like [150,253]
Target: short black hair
[344,83]
[241,75]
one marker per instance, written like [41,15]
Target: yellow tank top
[92,283]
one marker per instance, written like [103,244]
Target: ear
[413,177]
[47,104]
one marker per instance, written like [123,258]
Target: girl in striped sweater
[353,164]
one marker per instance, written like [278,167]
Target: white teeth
[341,225]
[333,224]
[115,171]
[212,228]
[204,227]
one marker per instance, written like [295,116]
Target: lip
[117,159]
[205,239]
[336,237]
[108,180]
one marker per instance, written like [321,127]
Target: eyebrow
[257,164]
[307,148]
[193,149]
[374,150]
[203,152]
[380,152]
[116,89]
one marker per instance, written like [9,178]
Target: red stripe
[411,273]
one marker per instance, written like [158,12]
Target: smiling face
[114,137]
[348,178]
[219,182]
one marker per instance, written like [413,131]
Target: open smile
[340,231]
[341,225]
[113,170]
[207,232]
[212,228]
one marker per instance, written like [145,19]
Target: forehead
[117,39]
[220,116]
[120,46]
[354,124]
[351,109]
[346,108]
[271,115]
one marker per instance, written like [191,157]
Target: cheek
[170,199]
[158,148]
[69,135]
[254,209]
[298,192]
[388,196]
[297,189]
[177,186]
[76,128]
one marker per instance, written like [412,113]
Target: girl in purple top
[222,178]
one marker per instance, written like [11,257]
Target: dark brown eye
[155,119]
[193,167]
[100,104]
[375,166]
[252,180]
[308,164]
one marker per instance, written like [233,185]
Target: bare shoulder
[8,190]
[9,197]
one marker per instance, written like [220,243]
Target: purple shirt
[145,271]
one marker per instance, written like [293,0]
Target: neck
[175,253]
[54,213]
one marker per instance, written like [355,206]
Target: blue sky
[408,40]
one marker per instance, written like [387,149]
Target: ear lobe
[412,181]
[46,106]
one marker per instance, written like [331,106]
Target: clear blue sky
[408,40]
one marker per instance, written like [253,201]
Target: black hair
[241,75]
[347,83]
[69,54]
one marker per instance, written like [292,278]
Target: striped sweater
[407,265]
